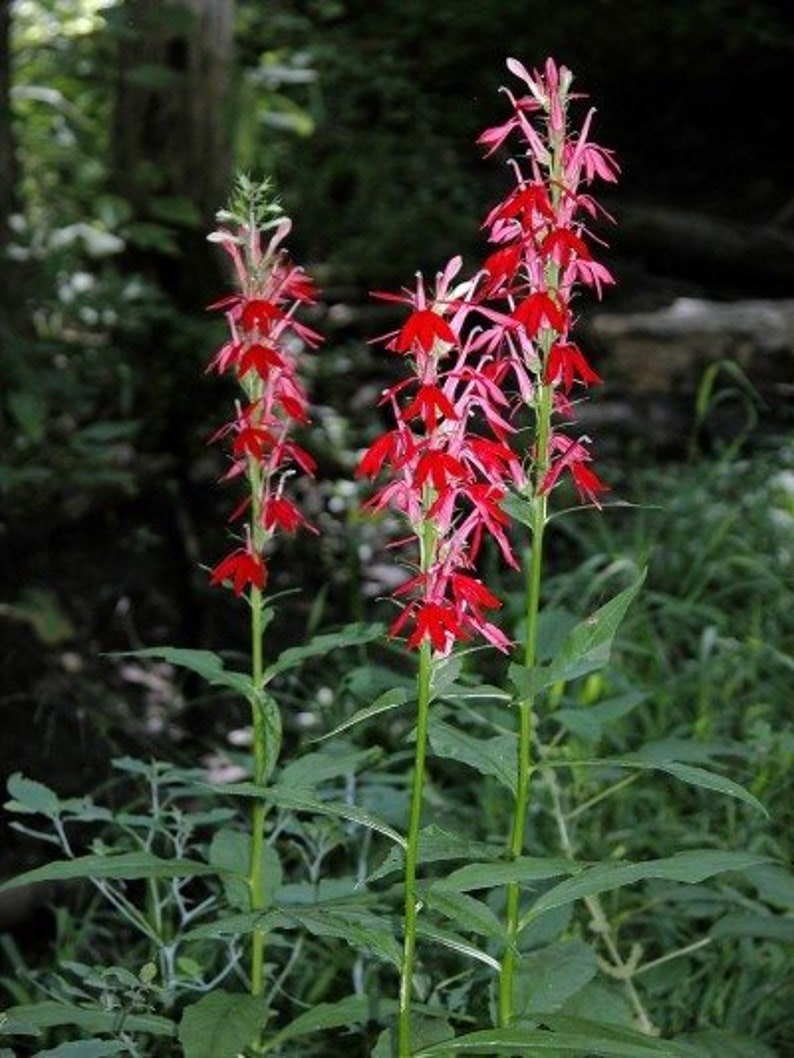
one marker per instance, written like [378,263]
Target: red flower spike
[262,350]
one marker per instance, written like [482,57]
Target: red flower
[566,362]
[260,314]
[539,309]
[279,512]
[424,328]
[262,358]
[242,567]
[429,402]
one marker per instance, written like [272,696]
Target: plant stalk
[256,879]
[424,684]
[526,707]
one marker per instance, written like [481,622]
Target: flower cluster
[512,321]
[543,254]
[264,336]
[449,464]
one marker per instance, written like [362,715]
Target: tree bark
[171,132]
[7,166]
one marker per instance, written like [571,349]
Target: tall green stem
[526,706]
[411,914]
[256,880]
[424,690]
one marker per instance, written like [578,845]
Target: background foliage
[367,115]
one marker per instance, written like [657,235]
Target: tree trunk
[171,134]
[7,166]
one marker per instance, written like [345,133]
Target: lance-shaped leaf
[587,648]
[124,866]
[351,635]
[205,663]
[490,756]
[691,867]
[50,1014]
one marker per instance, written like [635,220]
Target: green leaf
[588,722]
[719,1043]
[447,939]
[51,1014]
[272,731]
[490,756]
[298,802]
[706,780]
[548,977]
[778,928]
[563,1035]
[31,797]
[585,649]
[435,845]
[343,1013]
[331,762]
[358,927]
[125,865]
[690,867]
[221,1024]
[466,912]
[384,703]
[230,850]
[239,925]
[86,1049]
[526,869]
[206,663]
[350,636]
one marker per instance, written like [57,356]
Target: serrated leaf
[239,925]
[221,1024]
[350,636]
[709,780]
[298,802]
[495,756]
[86,1049]
[384,703]
[548,977]
[435,845]
[230,850]
[331,762]
[587,648]
[31,797]
[466,912]
[122,866]
[361,929]
[50,1014]
[205,663]
[690,867]
[526,869]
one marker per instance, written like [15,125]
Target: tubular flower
[444,477]
[261,354]
[543,256]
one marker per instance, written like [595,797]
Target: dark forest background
[121,125]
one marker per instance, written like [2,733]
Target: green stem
[424,683]
[256,880]
[526,707]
